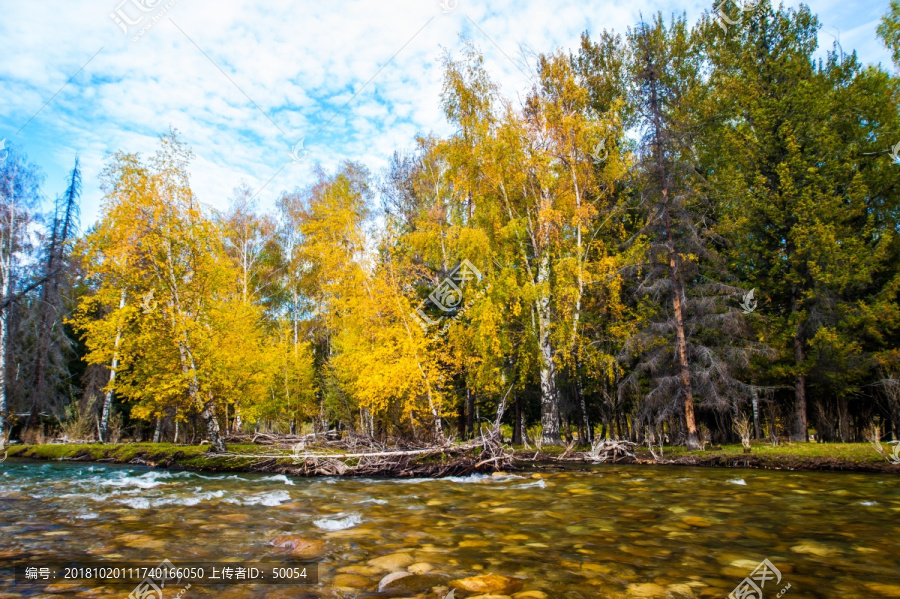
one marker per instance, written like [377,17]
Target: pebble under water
[612,531]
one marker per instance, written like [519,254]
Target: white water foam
[138,503]
[144,481]
[278,478]
[339,523]
[538,484]
[267,499]
[190,499]
[738,481]
[98,497]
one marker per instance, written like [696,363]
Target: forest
[683,231]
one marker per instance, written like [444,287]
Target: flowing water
[629,531]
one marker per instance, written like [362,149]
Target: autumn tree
[171,314]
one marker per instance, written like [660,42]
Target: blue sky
[245,81]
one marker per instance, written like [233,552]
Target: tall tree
[19,189]
[663,70]
[51,339]
[797,159]
[889,30]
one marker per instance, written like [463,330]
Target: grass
[846,456]
[857,453]
[794,455]
[163,454]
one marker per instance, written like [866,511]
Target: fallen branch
[341,456]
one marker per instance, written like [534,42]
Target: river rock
[409,585]
[421,568]
[390,578]
[94,592]
[889,590]
[530,595]
[698,521]
[680,591]
[503,510]
[647,589]
[237,518]
[392,562]
[813,548]
[288,593]
[601,568]
[745,564]
[475,543]
[300,547]
[360,570]
[488,584]
[353,581]
[61,588]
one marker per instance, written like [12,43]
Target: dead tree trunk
[6,270]
[801,429]
[470,413]
[518,425]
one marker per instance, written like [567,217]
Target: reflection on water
[611,532]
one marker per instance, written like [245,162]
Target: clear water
[612,531]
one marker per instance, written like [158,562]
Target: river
[612,531]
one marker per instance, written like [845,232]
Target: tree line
[679,229]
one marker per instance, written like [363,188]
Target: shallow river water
[613,531]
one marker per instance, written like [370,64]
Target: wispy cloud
[244,82]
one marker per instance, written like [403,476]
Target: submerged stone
[300,547]
[394,561]
[421,568]
[391,578]
[408,585]
[813,548]
[360,570]
[353,581]
[698,521]
[489,583]
[680,591]
[647,589]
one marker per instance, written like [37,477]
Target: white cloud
[299,62]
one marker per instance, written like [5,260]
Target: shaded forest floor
[855,457]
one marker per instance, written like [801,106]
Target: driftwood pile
[334,454]
[356,455]
[349,454]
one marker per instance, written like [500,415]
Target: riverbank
[849,457]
